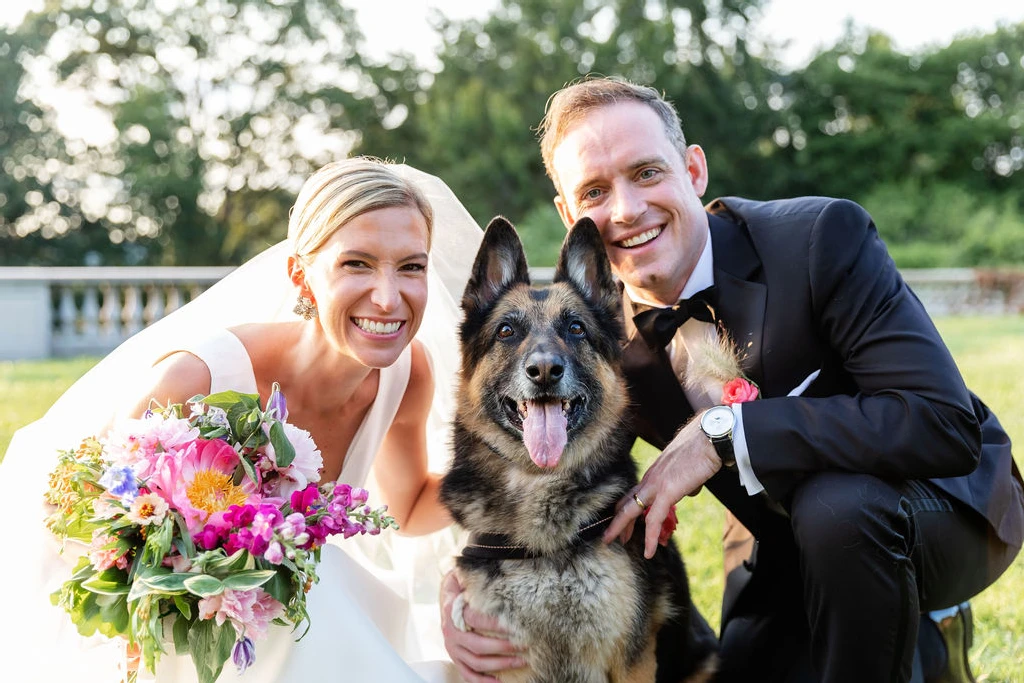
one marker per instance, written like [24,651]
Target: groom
[876,487]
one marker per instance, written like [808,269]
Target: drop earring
[305,308]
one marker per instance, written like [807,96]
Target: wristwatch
[717,424]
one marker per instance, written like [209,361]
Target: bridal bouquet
[202,528]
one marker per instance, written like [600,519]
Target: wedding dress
[374,613]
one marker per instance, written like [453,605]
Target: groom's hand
[473,653]
[687,462]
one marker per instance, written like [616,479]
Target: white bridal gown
[363,624]
[371,619]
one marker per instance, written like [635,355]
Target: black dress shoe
[956,628]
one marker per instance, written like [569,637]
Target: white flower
[148,508]
[306,466]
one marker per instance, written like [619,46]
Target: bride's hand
[474,654]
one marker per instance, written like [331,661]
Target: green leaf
[171,584]
[210,646]
[139,589]
[280,587]
[283,450]
[184,606]
[237,561]
[107,583]
[180,632]
[204,585]
[183,539]
[250,471]
[243,581]
[225,400]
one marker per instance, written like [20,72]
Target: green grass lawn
[989,351]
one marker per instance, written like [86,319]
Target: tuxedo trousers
[841,573]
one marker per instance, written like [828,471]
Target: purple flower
[277,407]
[292,526]
[343,495]
[303,500]
[243,654]
[209,538]
[119,480]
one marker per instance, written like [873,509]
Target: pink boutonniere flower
[739,390]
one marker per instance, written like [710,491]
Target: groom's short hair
[569,105]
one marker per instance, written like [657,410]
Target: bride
[339,316]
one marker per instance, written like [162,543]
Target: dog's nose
[544,367]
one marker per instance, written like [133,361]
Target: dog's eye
[576,329]
[505,331]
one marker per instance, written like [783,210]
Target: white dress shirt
[693,331]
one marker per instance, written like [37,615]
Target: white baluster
[132,311]
[155,304]
[173,298]
[90,315]
[110,314]
[66,318]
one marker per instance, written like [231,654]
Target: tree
[474,122]
[213,114]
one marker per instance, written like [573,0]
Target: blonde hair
[344,190]
[570,104]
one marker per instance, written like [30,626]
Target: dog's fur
[583,610]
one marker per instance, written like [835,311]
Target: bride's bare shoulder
[175,378]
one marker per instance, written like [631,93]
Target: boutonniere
[716,368]
[739,390]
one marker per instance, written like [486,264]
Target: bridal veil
[258,291]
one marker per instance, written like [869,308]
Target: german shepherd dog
[541,456]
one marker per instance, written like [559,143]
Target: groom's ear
[563,211]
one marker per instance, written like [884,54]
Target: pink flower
[274,554]
[739,390]
[249,611]
[197,481]
[102,555]
[303,470]
[137,442]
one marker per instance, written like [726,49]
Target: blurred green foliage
[216,111]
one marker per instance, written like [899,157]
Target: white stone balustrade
[59,312]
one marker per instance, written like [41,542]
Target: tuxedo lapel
[741,299]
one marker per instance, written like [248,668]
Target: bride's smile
[369,283]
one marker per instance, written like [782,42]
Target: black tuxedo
[806,284]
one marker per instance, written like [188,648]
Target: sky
[807,24]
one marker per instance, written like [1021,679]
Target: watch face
[717,422]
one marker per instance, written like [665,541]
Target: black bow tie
[658,325]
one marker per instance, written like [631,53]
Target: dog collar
[485,546]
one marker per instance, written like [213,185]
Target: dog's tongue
[544,432]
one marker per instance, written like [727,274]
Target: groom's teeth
[377,327]
[642,238]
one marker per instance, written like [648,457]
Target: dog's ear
[500,263]
[584,263]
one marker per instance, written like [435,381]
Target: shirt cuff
[739,441]
[739,447]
